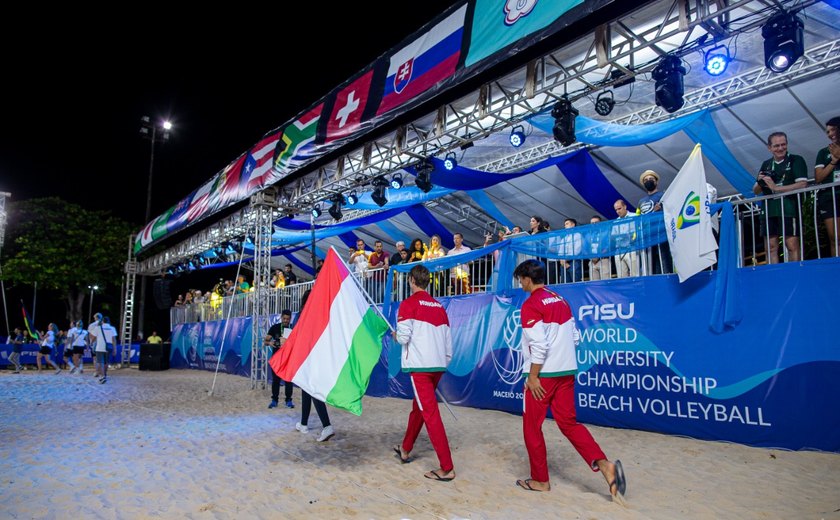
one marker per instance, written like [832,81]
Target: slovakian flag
[256,170]
[336,342]
[424,63]
[296,146]
[688,223]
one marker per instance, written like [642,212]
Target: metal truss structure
[622,49]
[262,205]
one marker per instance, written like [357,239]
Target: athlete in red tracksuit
[423,332]
[548,348]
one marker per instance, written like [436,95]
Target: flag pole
[375,308]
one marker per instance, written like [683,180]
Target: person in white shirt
[94,326]
[460,274]
[47,346]
[103,338]
[623,236]
[76,342]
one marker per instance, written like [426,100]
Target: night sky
[75,92]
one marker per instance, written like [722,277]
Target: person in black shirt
[291,277]
[275,339]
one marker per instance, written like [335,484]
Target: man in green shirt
[781,173]
[827,171]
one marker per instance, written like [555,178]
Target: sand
[157,445]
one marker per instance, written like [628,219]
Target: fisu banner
[647,359]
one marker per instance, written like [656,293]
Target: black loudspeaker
[163,297]
[154,357]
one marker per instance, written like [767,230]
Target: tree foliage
[64,247]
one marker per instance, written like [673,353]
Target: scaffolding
[262,205]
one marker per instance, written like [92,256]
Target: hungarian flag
[336,343]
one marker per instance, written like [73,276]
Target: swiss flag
[348,108]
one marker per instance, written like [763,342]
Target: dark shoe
[273,403]
[290,404]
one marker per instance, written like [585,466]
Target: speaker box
[154,357]
[163,296]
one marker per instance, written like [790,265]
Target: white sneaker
[302,428]
[326,434]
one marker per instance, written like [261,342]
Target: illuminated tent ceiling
[748,103]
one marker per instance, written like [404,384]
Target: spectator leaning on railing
[781,173]
[826,172]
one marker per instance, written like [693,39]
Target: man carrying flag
[687,219]
[423,331]
[331,352]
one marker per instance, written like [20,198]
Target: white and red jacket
[423,331]
[548,334]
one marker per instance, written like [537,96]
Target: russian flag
[423,63]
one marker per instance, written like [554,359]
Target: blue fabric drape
[302,265]
[591,183]
[429,224]
[699,126]
[393,232]
[487,205]
[349,238]
[726,309]
[280,237]
[402,198]
[704,131]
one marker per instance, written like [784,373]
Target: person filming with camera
[781,173]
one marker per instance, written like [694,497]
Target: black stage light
[783,41]
[396,181]
[605,103]
[335,210]
[380,184]
[450,163]
[564,115]
[668,76]
[316,211]
[423,180]
[353,198]
[517,136]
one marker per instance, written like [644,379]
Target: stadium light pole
[90,304]
[155,132]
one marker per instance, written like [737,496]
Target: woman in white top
[47,346]
[77,342]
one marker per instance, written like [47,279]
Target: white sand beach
[156,445]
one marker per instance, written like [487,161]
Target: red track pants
[560,396]
[425,410]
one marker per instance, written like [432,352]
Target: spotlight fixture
[353,198]
[423,180]
[450,162]
[396,181]
[335,210]
[783,41]
[316,210]
[170,271]
[517,136]
[564,115]
[380,184]
[605,103]
[668,76]
[717,60]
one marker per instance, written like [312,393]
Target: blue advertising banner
[28,351]
[647,357]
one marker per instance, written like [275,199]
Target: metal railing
[801,234]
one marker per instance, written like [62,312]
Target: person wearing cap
[658,257]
